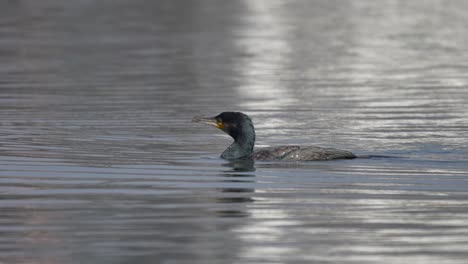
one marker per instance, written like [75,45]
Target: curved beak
[208,121]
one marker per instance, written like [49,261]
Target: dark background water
[99,162]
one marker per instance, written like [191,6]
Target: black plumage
[240,127]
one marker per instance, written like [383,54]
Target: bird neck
[242,147]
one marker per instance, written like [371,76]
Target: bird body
[298,153]
[240,127]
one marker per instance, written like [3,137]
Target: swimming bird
[240,127]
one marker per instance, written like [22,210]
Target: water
[100,163]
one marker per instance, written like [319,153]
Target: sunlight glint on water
[99,162]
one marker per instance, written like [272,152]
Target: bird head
[235,124]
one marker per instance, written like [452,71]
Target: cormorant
[240,127]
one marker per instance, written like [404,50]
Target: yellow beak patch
[220,125]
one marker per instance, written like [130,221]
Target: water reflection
[242,165]
[241,172]
[258,90]
[99,163]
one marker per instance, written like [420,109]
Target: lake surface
[99,162]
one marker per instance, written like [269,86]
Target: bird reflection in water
[239,175]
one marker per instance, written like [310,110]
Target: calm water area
[100,163]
